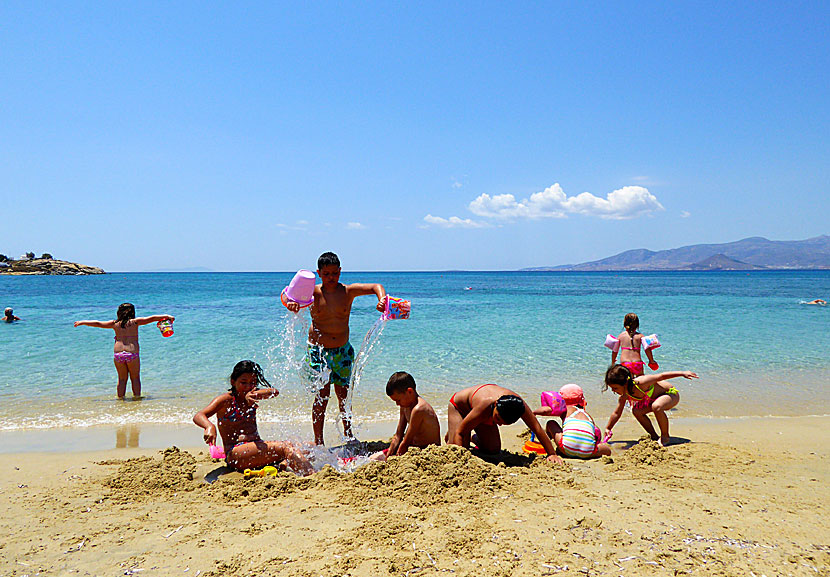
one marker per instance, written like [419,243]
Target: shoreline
[154,437]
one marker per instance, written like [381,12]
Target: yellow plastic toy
[269,471]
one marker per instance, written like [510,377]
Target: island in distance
[29,264]
[755,253]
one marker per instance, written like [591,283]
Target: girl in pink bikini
[646,394]
[125,354]
[630,344]
[236,417]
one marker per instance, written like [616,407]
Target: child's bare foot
[665,441]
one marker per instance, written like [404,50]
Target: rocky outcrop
[47,266]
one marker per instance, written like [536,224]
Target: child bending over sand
[125,354]
[418,424]
[483,409]
[630,344]
[646,394]
[236,415]
[578,436]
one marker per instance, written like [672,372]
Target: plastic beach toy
[300,290]
[534,447]
[267,471]
[396,308]
[651,342]
[166,327]
[612,343]
[216,452]
[556,403]
[653,365]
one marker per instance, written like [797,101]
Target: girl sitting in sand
[578,436]
[630,343]
[236,415]
[649,393]
[125,354]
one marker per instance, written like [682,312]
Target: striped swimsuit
[579,437]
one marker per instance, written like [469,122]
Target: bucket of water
[300,290]
[396,308]
[166,328]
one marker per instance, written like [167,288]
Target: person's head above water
[9,312]
[509,408]
[327,259]
[126,311]
[248,368]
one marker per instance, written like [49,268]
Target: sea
[756,345]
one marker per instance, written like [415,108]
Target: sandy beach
[732,497]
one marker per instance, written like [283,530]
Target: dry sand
[743,497]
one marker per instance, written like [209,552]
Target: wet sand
[732,497]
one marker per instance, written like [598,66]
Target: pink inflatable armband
[612,343]
[651,342]
[396,308]
[216,452]
[556,403]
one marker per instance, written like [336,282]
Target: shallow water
[757,349]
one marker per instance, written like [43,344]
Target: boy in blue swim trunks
[330,355]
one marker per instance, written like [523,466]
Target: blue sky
[417,136]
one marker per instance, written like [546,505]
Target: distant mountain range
[754,253]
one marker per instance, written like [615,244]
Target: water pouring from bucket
[300,290]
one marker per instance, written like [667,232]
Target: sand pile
[148,477]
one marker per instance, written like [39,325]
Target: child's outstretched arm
[530,420]
[615,416]
[360,289]
[96,324]
[153,319]
[647,380]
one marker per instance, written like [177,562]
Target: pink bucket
[301,289]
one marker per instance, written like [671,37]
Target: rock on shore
[47,266]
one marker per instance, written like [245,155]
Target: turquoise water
[757,349]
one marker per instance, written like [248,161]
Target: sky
[408,136]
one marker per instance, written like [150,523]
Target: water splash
[370,344]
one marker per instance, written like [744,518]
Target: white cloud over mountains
[624,203]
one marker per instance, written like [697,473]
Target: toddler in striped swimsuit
[578,436]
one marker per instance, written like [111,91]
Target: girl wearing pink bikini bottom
[125,354]
[630,342]
[646,394]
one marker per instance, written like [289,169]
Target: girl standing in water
[125,353]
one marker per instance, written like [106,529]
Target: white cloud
[624,203]
[354,226]
[685,214]
[454,222]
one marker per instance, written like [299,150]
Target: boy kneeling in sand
[418,424]
[483,409]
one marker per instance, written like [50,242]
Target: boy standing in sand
[483,409]
[418,424]
[329,351]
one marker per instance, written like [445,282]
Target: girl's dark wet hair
[326,259]
[631,323]
[245,367]
[126,311]
[619,375]
[510,408]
